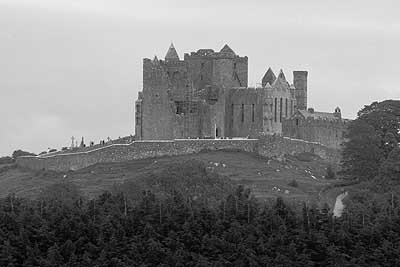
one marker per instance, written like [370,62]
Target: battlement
[225,52]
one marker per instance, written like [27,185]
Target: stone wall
[157,115]
[244,113]
[268,146]
[275,146]
[330,133]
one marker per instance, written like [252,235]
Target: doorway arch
[217,132]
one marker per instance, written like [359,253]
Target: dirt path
[339,206]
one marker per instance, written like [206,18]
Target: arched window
[286,109]
[242,112]
[252,113]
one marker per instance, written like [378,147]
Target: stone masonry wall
[268,146]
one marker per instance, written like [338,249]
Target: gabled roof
[282,75]
[280,81]
[269,77]
[171,53]
[227,49]
[267,85]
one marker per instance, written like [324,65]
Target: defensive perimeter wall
[267,146]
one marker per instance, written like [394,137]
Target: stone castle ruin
[203,102]
[206,95]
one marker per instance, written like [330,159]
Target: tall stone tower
[300,83]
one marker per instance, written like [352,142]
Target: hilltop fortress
[206,95]
[203,102]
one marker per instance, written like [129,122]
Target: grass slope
[266,178]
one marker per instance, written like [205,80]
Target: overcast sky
[74,67]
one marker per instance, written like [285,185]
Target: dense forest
[193,217]
[64,229]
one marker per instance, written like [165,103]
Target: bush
[293,183]
[20,153]
[6,160]
[330,174]
[306,156]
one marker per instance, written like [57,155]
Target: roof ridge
[227,49]
[171,53]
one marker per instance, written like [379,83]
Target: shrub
[6,160]
[20,153]
[306,156]
[293,183]
[330,174]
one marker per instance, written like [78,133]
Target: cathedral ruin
[206,95]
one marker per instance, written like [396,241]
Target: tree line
[61,228]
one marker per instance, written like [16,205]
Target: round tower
[300,83]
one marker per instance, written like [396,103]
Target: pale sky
[74,67]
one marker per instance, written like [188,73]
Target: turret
[171,55]
[269,77]
[300,83]
[338,113]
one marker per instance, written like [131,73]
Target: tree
[330,174]
[370,139]
[6,160]
[389,172]
[362,152]
[20,153]
[65,193]
[391,166]
[384,117]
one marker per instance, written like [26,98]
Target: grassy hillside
[266,178]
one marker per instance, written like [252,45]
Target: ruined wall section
[200,68]
[139,117]
[279,104]
[240,70]
[177,84]
[157,108]
[274,146]
[300,83]
[327,132]
[135,150]
[215,73]
[267,146]
[244,112]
